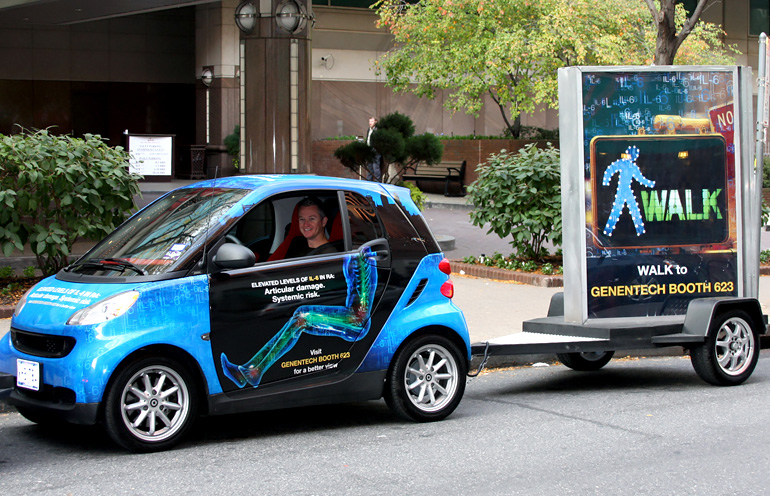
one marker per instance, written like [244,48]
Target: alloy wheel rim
[155,403]
[734,346]
[431,378]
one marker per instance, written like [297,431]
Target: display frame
[598,279]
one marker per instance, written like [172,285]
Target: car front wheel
[151,405]
[427,380]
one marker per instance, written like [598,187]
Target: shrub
[519,195]
[418,197]
[55,190]
[766,172]
[6,272]
[233,144]
[764,257]
[529,266]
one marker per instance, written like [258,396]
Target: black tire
[427,379]
[142,417]
[731,350]
[586,362]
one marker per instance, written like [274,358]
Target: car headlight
[21,303]
[104,310]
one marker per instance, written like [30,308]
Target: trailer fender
[702,311]
[556,307]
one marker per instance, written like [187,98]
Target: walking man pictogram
[627,171]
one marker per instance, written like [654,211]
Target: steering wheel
[230,238]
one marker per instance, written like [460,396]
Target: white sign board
[151,155]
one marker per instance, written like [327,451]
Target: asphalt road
[636,427]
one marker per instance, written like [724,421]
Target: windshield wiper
[109,264]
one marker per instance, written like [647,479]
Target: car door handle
[379,255]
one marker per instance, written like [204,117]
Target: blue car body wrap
[430,309]
[173,311]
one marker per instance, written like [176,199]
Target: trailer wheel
[587,361]
[731,351]
[427,380]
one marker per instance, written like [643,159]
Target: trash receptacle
[197,161]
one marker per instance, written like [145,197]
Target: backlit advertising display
[660,190]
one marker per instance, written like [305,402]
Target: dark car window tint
[364,224]
[256,230]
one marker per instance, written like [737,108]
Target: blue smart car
[243,294]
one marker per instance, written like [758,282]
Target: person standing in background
[373,169]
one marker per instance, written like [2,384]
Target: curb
[448,206]
[543,281]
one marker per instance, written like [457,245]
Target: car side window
[256,230]
[365,225]
[290,241]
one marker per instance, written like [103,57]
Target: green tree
[396,145]
[55,190]
[510,50]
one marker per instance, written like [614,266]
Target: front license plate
[27,374]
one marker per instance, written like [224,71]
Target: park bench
[448,172]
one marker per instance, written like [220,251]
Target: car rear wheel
[151,405]
[427,379]
[731,350]
[587,361]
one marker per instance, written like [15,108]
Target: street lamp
[207,76]
[246,16]
[291,16]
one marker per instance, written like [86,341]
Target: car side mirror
[234,256]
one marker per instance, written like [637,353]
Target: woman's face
[311,223]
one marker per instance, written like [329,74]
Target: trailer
[661,214]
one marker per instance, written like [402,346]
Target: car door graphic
[295,321]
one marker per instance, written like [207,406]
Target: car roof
[287,182]
[263,185]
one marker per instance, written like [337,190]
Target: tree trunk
[669,41]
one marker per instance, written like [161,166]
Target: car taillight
[444,266]
[448,288]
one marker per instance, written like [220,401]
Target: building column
[275,85]
[217,94]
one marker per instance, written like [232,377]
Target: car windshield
[163,237]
